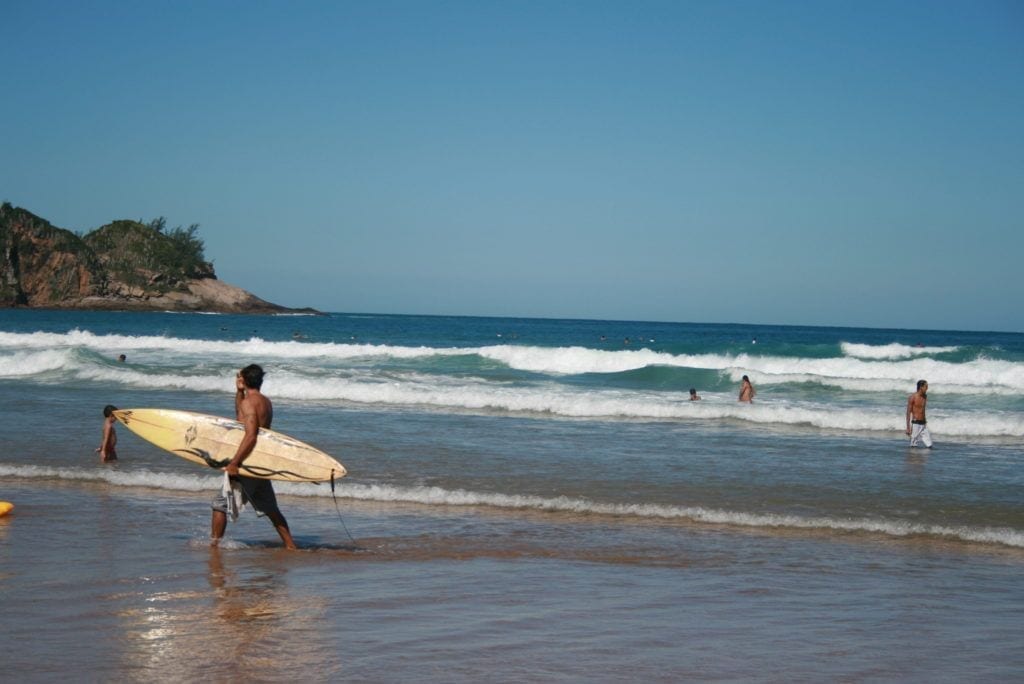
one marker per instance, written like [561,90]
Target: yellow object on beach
[212,441]
[5,508]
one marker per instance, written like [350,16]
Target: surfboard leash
[338,509]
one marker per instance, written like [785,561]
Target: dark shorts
[256,492]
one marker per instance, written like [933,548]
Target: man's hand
[231,469]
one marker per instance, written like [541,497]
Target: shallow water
[588,540]
[111,584]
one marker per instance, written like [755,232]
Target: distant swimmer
[122,358]
[917,423]
[693,395]
[107,448]
[747,391]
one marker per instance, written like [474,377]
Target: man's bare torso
[258,404]
[917,403]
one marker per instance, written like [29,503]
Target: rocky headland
[124,265]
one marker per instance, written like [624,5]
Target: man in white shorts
[917,424]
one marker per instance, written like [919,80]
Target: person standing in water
[254,411]
[917,423]
[107,448]
[747,391]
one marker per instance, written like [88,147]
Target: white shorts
[919,433]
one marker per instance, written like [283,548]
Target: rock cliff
[124,265]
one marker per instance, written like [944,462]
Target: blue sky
[832,163]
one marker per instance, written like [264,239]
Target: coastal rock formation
[124,265]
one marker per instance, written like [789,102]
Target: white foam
[252,347]
[891,351]
[119,477]
[984,374]
[870,384]
[335,377]
[578,360]
[27,363]
[437,496]
[573,402]
[550,398]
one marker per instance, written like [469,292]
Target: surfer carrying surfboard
[254,410]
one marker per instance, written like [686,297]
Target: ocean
[527,500]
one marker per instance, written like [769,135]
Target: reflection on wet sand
[251,624]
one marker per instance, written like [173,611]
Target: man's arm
[910,411]
[107,427]
[248,443]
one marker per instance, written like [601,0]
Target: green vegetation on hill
[144,255]
[41,264]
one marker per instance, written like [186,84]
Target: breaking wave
[464,379]
[437,496]
[892,351]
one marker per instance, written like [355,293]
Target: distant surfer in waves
[254,411]
[107,450]
[917,423]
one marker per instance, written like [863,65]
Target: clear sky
[821,162]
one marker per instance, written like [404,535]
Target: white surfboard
[212,441]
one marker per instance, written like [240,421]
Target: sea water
[526,500]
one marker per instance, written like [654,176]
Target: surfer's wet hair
[108,409]
[252,376]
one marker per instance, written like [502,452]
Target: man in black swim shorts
[254,411]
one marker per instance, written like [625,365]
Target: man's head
[693,391]
[922,385]
[108,410]
[252,376]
